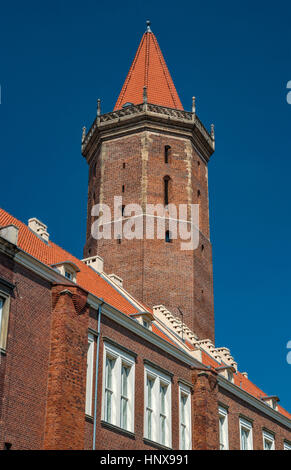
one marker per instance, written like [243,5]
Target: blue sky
[58,57]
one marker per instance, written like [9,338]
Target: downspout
[96,376]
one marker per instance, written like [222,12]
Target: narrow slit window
[166,190]
[123,188]
[168,236]
[167,153]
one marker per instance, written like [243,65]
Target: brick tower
[149,151]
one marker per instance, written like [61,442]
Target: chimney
[39,228]
[10,233]
[116,279]
[95,262]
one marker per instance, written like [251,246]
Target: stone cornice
[148,117]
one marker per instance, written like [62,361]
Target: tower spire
[149,70]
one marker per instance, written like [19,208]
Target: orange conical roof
[149,69]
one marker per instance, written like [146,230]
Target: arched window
[167,153]
[166,189]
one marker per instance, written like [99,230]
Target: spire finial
[148,27]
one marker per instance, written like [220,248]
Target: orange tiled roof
[149,69]
[243,382]
[52,254]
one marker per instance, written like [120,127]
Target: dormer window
[146,324]
[68,269]
[127,104]
[271,401]
[145,319]
[229,375]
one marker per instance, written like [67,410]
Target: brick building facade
[93,352]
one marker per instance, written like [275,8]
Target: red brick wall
[154,271]
[24,367]
[260,421]
[204,411]
[64,427]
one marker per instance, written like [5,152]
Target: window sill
[89,418]
[155,444]
[117,429]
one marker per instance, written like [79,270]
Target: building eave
[253,401]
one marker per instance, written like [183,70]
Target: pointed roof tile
[149,69]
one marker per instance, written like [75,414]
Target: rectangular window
[4,319]
[108,388]
[163,415]
[118,388]
[124,395]
[287,445]
[157,407]
[185,417]
[149,406]
[246,434]
[223,428]
[1,310]
[268,440]
[89,379]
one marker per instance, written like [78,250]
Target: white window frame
[2,300]
[159,379]
[185,391]
[4,319]
[89,375]
[267,436]
[120,358]
[223,414]
[287,445]
[247,426]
